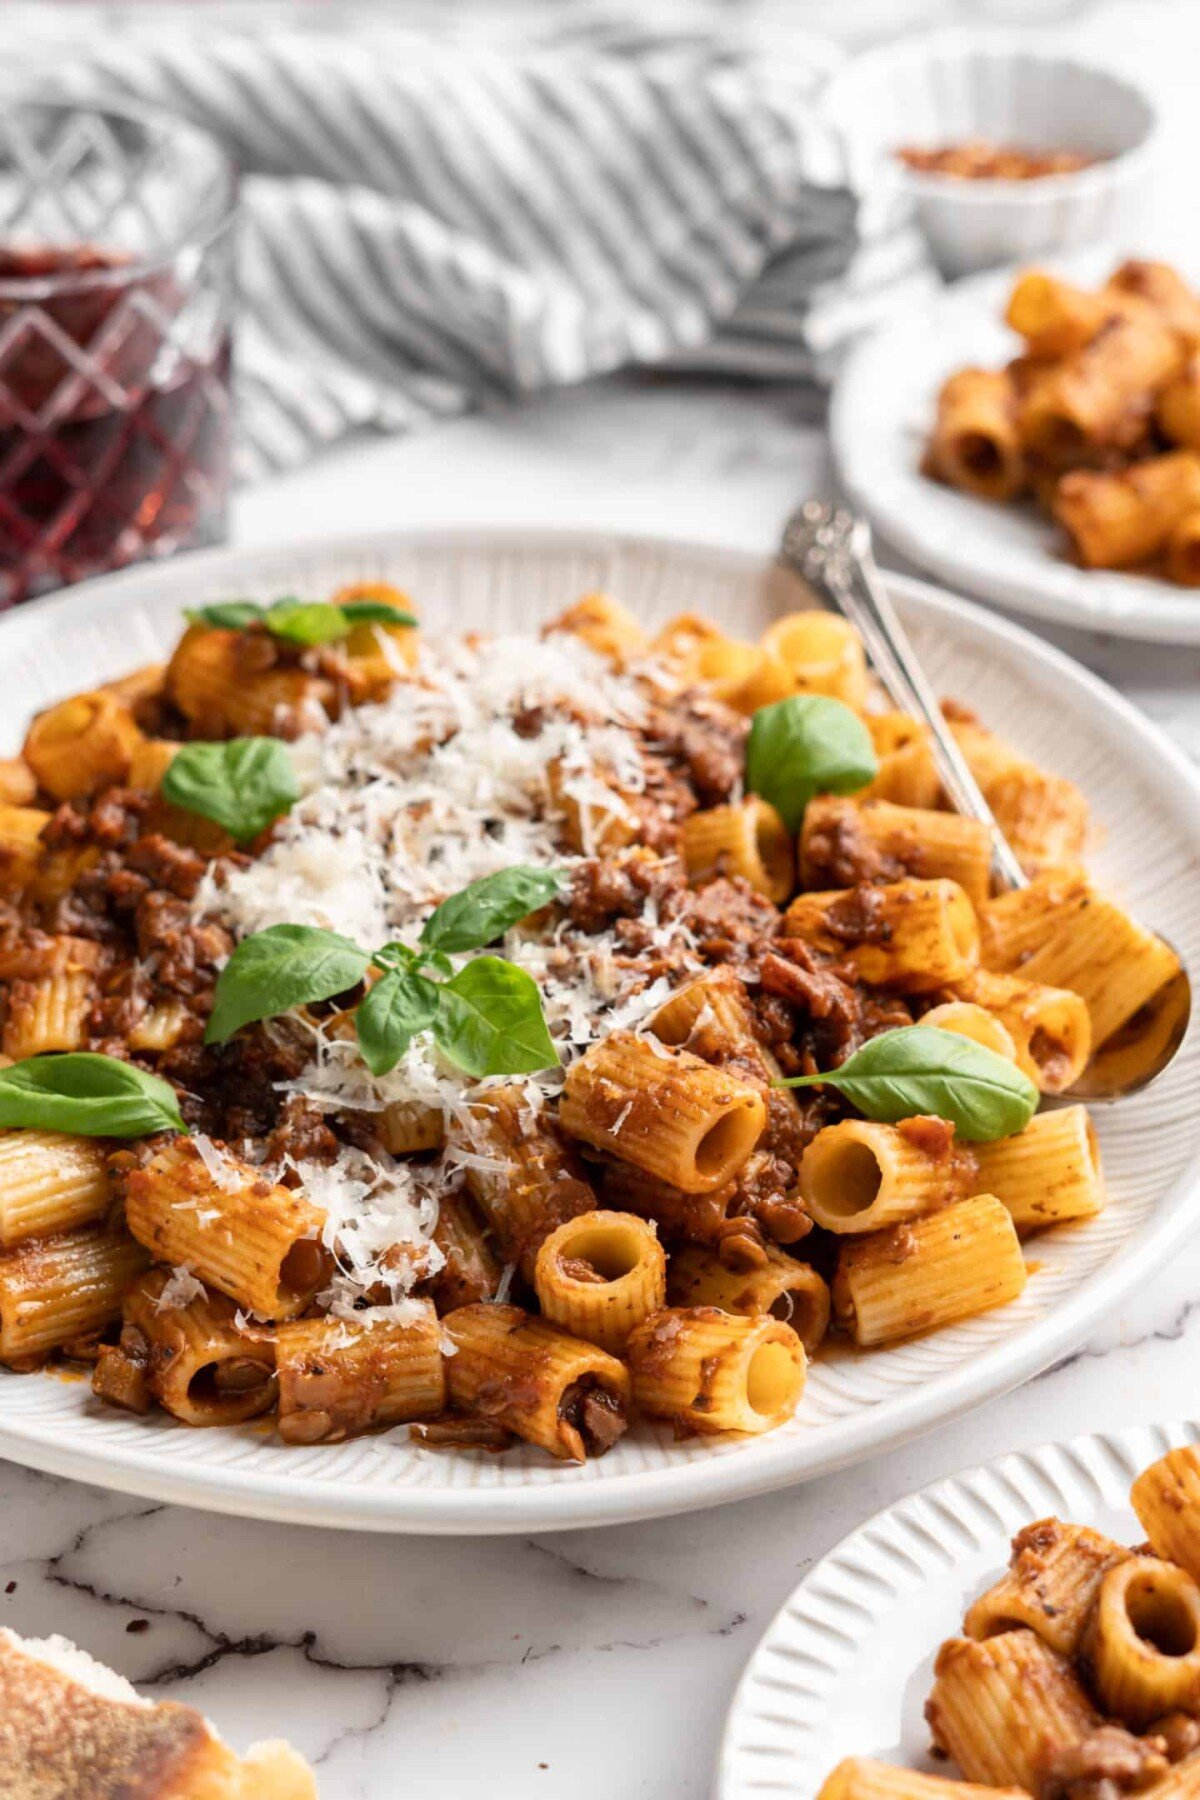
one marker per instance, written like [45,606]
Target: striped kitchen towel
[437,218]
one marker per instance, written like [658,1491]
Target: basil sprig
[88,1095]
[487,1018]
[306,622]
[918,1069]
[803,746]
[243,785]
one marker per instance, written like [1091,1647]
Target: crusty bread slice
[71,1729]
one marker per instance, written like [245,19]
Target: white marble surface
[589,1665]
[592,1665]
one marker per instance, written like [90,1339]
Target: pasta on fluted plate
[1077,1675]
[1097,418]
[514,1037]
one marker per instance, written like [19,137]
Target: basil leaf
[919,1069]
[306,622]
[225,615]
[244,785]
[375,612]
[89,1095]
[806,745]
[391,1013]
[282,967]
[482,912]
[490,1020]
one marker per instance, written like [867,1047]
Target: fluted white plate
[882,409]
[845,1668]
[1147,801]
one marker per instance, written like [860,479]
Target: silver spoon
[831,549]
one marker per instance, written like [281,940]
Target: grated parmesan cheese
[179,1289]
[402,804]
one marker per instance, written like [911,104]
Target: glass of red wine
[116,288]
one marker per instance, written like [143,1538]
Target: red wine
[114,418]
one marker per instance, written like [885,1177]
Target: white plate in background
[846,1666]
[882,409]
[1147,803]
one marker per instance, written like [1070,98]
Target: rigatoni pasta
[1078,1671]
[338,1377]
[600,1275]
[950,1264]
[551,1389]
[716,1371]
[1100,419]
[50,1182]
[253,1239]
[567,1187]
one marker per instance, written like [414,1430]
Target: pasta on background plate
[1077,1675]
[1097,418]
[518,1038]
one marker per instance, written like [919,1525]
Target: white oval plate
[1147,801]
[882,408]
[846,1666]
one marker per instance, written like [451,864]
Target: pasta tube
[567,1397]
[1002,1707]
[713,1371]
[197,1361]
[1163,288]
[523,1180]
[680,1217]
[48,1010]
[608,627]
[844,841]
[780,1285]
[976,445]
[53,1290]
[1166,1499]
[1141,1641]
[339,1377]
[907,773]
[710,1016]
[600,1275]
[859,1176]
[1101,397]
[822,653]
[21,830]
[1178,406]
[1043,816]
[1050,1027]
[663,1110]
[1117,519]
[1056,318]
[858,1778]
[219,684]
[239,1232]
[1061,932]
[81,745]
[50,1182]
[1048,1173]
[163,1026]
[915,1277]
[18,785]
[915,936]
[749,839]
[975,1022]
[406,1127]
[1052,1580]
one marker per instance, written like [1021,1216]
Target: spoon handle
[831,549]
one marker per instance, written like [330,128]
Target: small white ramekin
[1008,88]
